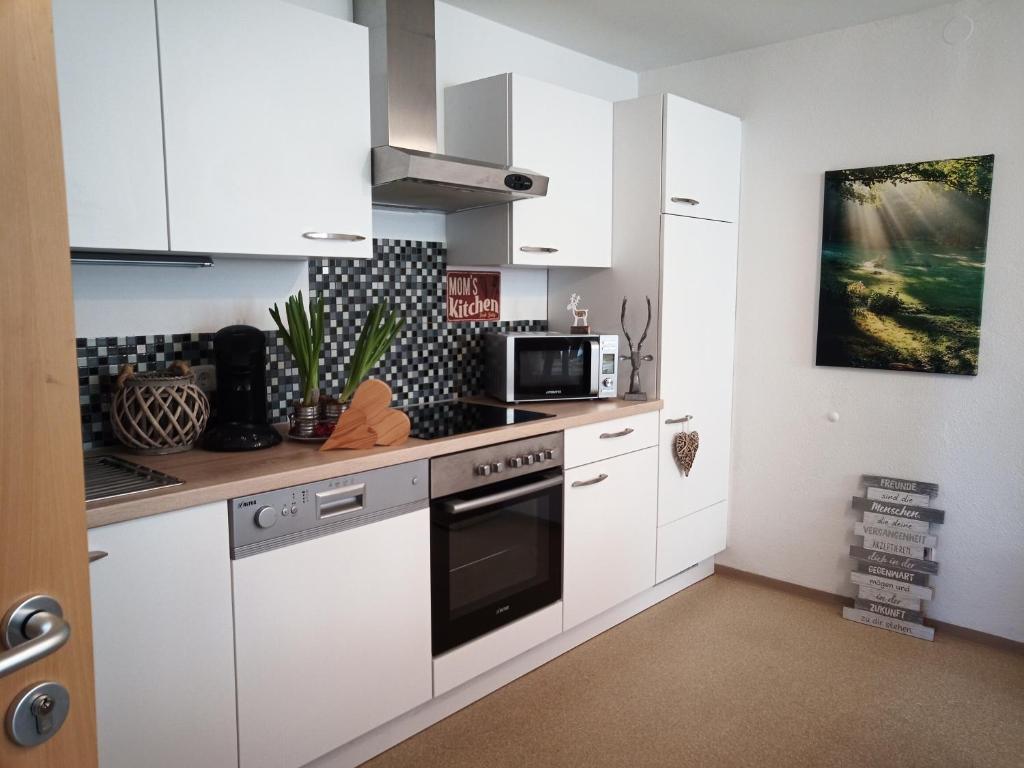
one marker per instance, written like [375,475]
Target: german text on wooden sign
[927,514]
[913,564]
[896,587]
[895,534]
[896,574]
[898,497]
[888,610]
[886,597]
[893,625]
[474,296]
[895,484]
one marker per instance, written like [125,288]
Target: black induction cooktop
[455,417]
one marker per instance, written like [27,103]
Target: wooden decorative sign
[896,558]
[474,296]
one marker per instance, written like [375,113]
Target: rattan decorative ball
[159,411]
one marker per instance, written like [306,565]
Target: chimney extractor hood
[407,170]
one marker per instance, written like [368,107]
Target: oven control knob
[515,462]
[549,453]
[529,459]
[266,517]
[483,470]
[541,457]
[497,467]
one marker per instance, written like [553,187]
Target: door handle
[537,249]
[681,420]
[685,200]
[96,554]
[623,433]
[32,630]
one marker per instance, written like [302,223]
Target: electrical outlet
[206,377]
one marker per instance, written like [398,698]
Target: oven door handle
[456,507]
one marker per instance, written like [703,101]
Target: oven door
[496,556]
[555,367]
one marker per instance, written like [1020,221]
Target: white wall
[116,302]
[885,92]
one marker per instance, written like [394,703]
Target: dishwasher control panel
[268,520]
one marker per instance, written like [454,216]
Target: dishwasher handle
[340,501]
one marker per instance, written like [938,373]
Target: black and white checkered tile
[430,360]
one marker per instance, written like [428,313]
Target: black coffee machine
[240,353]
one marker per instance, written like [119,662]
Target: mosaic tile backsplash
[430,360]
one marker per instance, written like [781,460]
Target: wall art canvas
[903,265]
[474,296]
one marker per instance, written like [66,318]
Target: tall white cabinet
[676,205]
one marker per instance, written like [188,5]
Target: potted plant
[379,331]
[304,337]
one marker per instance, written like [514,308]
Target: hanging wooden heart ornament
[685,448]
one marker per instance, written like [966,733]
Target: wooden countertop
[210,476]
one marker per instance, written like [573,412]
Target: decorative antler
[622,322]
[646,327]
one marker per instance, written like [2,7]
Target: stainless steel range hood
[407,170]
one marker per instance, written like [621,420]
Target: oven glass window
[552,368]
[494,564]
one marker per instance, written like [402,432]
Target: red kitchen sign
[474,296]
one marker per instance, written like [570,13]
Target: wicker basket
[159,411]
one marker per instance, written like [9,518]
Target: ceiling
[647,34]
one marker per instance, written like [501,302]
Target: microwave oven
[525,367]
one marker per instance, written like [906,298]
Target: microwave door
[555,369]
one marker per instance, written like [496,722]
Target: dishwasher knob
[497,467]
[515,462]
[483,470]
[266,517]
[549,453]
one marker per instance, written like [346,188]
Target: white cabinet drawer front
[688,541]
[605,439]
[610,526]
[266,117]
[337,627]
[109,83]
[702,161]
[162,639]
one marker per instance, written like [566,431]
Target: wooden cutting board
[369,421]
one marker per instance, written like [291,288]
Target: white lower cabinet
[611,514]
[310,681]
[162,641]
[686,542]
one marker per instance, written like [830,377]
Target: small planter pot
[303,420]
[330,411]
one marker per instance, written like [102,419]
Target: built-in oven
[524,367]
[495,537]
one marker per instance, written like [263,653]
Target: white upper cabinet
[701,161]
[698,327]
[108,76]
[267,123]
[513,120]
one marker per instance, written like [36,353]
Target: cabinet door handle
[682,420]
[537,249]
[593,481]
[623,433]
[685,200]
[96,554]
[333,236]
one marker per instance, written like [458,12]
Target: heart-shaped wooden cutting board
[368,421]
[685,448]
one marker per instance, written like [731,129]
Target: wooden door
[42,522]
[267,124]
[109,77]
[702,161]
[609,533]
[568,137]
[698,308]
